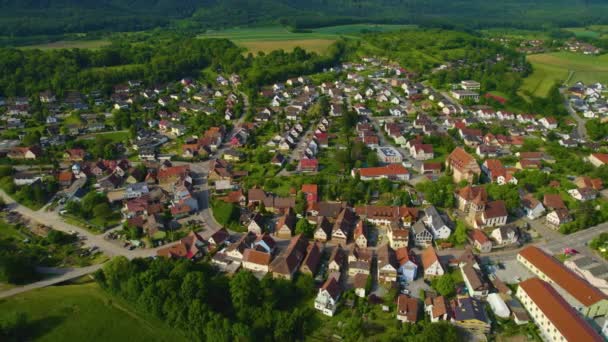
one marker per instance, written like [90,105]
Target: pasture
[266,39]
[84,313]
[564,67]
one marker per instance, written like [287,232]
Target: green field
[70,44]
[84,313]
[592,31]
[271,38]
[564,66]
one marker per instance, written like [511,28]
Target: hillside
[48,17]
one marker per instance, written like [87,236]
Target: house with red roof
[309,165]
[598,159]
[311,192]
[463,165]
[74,154]
[480,240]
[390,171]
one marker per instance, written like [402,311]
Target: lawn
[70,44]
[116,136]
[266,39]
[564,67]
[84,313]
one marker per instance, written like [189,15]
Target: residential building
[586,298]
[286,225]
[391,172]
[555,318]
[337,259]
[328,296]
[385,215]
[389,155]
[598,159]
[437,308]
[473,279]
[407,267]
[360,284]
[593,271]
[505,235]
[407,309]
[256,261]
[463,166]
[532,207]
[436,224]
[398,237]
[431,264]
[310,265]
[288,262]
[387,264]
[495,214]
[359,261]
[470,315]
[360,234]
[480,241]
[422,237]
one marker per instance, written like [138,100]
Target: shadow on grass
[40,327]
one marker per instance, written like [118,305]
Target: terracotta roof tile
[558,311]
[578,288]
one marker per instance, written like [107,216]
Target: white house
[328,296]
[532,207]
[436,224]
[430,263]
[407,268]
[505,235]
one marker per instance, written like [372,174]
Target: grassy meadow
[84,312]
[564,67]
[266,39]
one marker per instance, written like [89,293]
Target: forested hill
[33,17]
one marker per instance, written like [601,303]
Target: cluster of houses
[589,100]
[574,45]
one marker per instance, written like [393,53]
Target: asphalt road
[68,275]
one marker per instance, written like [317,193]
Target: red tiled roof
[461,160]
[495,209]
[388,170]
[603,157]
[554,201]
[173,171]
[578,288]
[479,236]
[428,257]
[558,311]
[256,257]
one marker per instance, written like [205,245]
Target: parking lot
[513,272]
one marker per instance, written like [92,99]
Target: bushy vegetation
[206,305]
[21,252]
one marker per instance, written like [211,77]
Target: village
[372,184]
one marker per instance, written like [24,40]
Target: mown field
[84,313]
[70,44]
[564,67]
[271,38]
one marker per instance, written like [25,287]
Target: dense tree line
[206,305]
[27,72]
[30,18]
